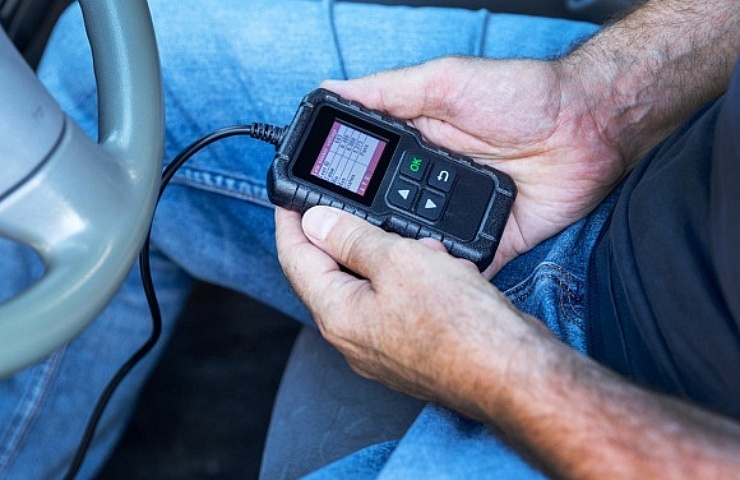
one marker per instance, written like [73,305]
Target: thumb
[350,241]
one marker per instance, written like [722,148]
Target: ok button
[414,165]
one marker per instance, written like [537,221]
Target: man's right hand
[519,116]
[567,131]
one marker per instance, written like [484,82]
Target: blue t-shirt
[665,296]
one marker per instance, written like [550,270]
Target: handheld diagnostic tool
[341,154]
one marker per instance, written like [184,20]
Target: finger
[354,243]
[433,243]
[405,93]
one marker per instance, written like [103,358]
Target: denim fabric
[238,62]
[549,282]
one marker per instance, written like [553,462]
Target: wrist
[615,106]
[641,77]
[497,385]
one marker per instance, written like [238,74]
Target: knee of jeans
[555,296]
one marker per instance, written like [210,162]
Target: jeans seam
[485,14]
[566,296]
[330,4]
[26,416]
[224,184]
[570,313]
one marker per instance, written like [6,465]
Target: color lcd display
[348,158]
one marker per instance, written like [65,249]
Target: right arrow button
[430,205]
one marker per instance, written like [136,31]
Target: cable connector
[268,133]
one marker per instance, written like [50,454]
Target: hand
[416,319]
[521,117]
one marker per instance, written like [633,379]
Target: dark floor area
[205,411]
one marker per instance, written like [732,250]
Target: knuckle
[352,246]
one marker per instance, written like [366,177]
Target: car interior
[206,410]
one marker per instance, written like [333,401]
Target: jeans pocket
[555,296]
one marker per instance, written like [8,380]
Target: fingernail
[318,221]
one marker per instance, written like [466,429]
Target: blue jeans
[238,62]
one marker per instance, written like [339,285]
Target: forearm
[643,75]
[580,420]
[636,81]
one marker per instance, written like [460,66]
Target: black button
[402,193]
[414,165]
[430,205]
[442,177]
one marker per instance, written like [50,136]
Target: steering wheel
[84,207]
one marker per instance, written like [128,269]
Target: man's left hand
[412,315]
